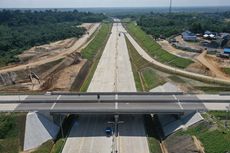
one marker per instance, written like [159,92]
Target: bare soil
[76,47]
[66,77]
[168,47]
[55,65]
[210,63]
[181,144]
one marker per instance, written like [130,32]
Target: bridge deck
[114,102]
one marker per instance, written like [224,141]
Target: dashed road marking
[178,101]
[55,102]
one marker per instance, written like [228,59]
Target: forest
[166,25]
[21,30]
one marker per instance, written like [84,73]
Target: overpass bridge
[114,103]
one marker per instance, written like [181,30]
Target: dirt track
[77,46]
[213,67]
[168,47]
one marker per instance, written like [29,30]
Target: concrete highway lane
[88,135]
[113,74]
[132,135]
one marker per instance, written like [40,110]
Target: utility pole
[170,7]
[116,123]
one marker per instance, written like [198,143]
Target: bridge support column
[39,128]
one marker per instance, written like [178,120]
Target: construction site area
[205,61]
[53,66]
[122,62]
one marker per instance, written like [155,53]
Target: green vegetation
[57,148]
[214,141]
[166,25]
[137,64]
[177,79]
[91,50]
[155,49]
[11,132]
[94,51]
[226,70]
[220,115]
[213,134]
[213,89]
[21,30]
[151,78]
[45,147]
[145,76]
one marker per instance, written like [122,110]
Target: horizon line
[113,7]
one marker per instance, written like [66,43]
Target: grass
[45,147]
[213,89]
[226,70]
[145,76]
[94,51]
[57,148]
[137,63]
[213,136]
[96,44]
[11,132]
[151,78]
[155,49]
[220,115]
[176,78]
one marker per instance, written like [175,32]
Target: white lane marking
[179,103]
[116,97]
[116,104]
[56,102]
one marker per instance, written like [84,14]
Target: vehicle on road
[109,131]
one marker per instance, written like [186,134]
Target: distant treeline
[167,24]
[20,30]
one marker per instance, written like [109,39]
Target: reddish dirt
[67,76]
[76,47]
[168,47]
[211,65]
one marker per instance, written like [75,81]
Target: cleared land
[213,67]
[76,47]
[177,52]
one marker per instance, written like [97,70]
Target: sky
[107,3]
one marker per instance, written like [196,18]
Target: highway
[113,74]
[112,103]
[88,136]
[112,91]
